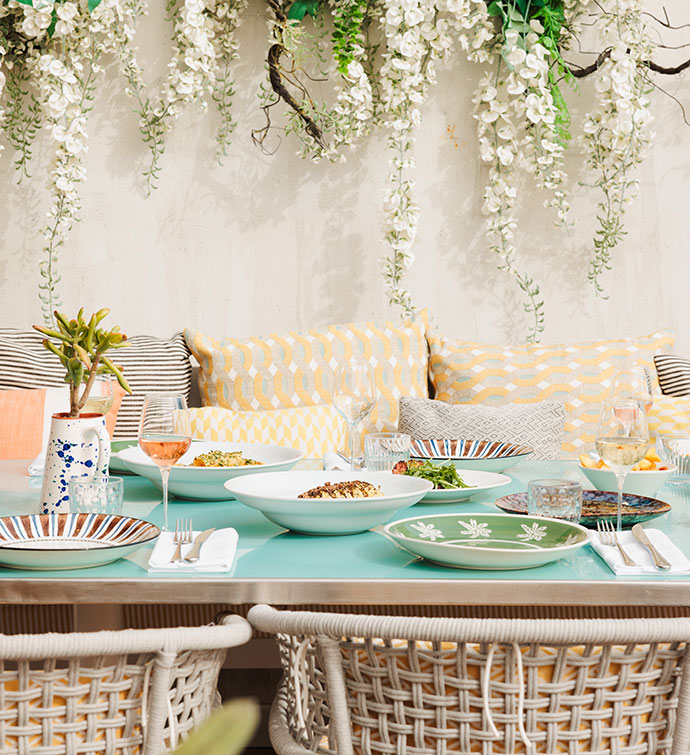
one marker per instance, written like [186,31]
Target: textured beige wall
[274,242]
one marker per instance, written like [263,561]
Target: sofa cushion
[539,425]
[578,375]
[670,415]
[149,364]
[673,374]
[313,430]
[285,371]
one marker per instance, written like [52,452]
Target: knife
[659,561]
[199,540]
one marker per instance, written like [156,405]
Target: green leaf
[93,4]
[226,732]
[496,9]
[53,21]
[297,10]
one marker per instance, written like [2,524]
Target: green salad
[444,476]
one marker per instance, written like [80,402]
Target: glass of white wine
[100,398]
[633,382]
[622,440]
[354,396]
[165,435]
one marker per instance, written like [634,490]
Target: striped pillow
[673,374]
[149,364]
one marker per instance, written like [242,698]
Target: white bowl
[644,482]
[274,494]
[207,483]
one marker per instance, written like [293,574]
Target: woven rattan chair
[125,692]
[386,685]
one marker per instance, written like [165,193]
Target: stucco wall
[274,242]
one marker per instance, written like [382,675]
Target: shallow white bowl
[644,482]
[207,483]
[274,494]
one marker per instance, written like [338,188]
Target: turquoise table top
[280,567]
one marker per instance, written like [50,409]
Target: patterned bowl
[70,541]
[484,455]
[487,541]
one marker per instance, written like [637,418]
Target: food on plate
[444,476]
[346,489]
[650,463]
[222,459]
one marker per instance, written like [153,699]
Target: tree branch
[581,72]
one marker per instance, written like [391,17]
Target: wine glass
[100,398]
[633,382]
[354,396]
[622,440]
[165,435]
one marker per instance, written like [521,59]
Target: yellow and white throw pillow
[577,374]
[670,415]
[313,430]
[287,371]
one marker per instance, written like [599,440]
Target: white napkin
[217,553]
[634,548]
[333,460]
[37,465]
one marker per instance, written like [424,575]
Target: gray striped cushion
[673,374]
[149,364]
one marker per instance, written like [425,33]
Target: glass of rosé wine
[165,435]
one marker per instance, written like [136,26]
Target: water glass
[100,495]
[676,451]
[561,499]
[382,451]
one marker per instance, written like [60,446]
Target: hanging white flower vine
[382,60]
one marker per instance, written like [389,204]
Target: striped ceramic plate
[70,541]
[486,455]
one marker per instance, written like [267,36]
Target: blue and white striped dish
[485,455]
[70,541]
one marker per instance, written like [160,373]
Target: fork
[608,536]
[184,534]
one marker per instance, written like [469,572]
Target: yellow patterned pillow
[297,369]
[310,429]
[670,415]
[578,374]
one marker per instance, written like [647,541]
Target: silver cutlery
[183,536]
[659,561]
[608,536]
[195,550]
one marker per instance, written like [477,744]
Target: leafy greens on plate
[444,476]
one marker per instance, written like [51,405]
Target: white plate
[275,496]
[70,541]
[480,482]
[116,464]
[207,483]
[487,541]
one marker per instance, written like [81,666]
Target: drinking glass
[100,396]
[165,435]
[354,396]
[622,439]
[561,499]
[382,451]
[100,495]
[633,382]
[676,450]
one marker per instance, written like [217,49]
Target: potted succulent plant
[78,444]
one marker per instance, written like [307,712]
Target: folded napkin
[634,548]
[217,553]
[334,460]
[37,466]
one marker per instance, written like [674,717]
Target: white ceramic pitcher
[77,447]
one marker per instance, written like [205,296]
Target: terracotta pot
[77,447]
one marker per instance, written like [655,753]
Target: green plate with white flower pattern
[487,541]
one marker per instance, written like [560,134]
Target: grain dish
[345,489]
[222,459]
